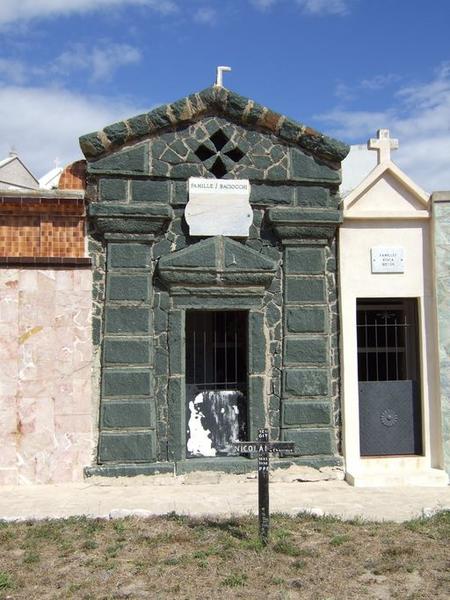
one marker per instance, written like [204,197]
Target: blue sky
[345,67]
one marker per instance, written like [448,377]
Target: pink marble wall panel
[45,382]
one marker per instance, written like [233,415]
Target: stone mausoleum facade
[133,343]
[150,277]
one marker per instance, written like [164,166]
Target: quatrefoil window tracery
[210,153]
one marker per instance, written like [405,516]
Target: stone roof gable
[218,101]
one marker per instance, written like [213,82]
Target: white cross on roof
[383,144]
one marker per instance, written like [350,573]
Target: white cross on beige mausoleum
[383,144]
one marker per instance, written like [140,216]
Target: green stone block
[256,405]
[138,125]
[306,168]
[124,383]
[127,287]
[113,189]
[306,382]
[130,413]
[127,319]
[126,352]
[310,441]
[150,191]
[305,290]
[180,193]
[272,194]
[312,196]
[257,343]
[306,320]
[306,413]
[127,447]
[176,342]
[306,350]
[134,160]
[128,256]
[117,133]
[305,260]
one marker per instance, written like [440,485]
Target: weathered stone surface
[128,256]
[125,218]
[127,319]
[256,405]
[306,320]
[267,195]
[313,196]
[257,350]
[131,161]
[127,447]
[306,413]
[310,441]
[305,260]
[127,287]
[305,290]
[306,168]
[311,350]
[124,383]
[143,190]
[113,190]
[130,413]
[126,351]
[306,382]
[116,133]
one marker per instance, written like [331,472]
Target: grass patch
[177,557]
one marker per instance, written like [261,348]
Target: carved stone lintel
[123,219]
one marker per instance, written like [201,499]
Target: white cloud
[378,82]
[100,61]
[206,16]
[13,70]
[45,123]
[324,7]
[420,119]
[23,10]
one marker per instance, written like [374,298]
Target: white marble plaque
[387,259]
[219,207]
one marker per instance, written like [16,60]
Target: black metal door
[388,373]
[216,381]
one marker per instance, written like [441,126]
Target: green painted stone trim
[311,441]
[306,382]
[305,260]
[306,319]
[212,100]
[297,413]
[304,223]
[127,320]
[150,191]
[123,383]
[133,161]
[128,287]
[131,447]
[125,218]
[128,413]
[129,470]
[305,289]
[220,464]
[115,190]
[126,351]
[220,302]
[306,350]
[128,256]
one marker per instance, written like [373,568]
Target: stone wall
[441,221]
[144,283]
[45,387]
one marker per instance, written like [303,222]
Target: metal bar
[204,352]
[263,489]
[225,347]
[386,345]
[376,345]
[366,340]
[396,349]
[235,347]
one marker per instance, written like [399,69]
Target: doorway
[389,377]
[216,381]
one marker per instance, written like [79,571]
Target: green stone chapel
[248,324]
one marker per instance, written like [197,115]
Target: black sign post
[263,448]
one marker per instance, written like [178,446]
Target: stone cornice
[304,224]
[218,101]
[113,218]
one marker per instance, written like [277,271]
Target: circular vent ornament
[389,417]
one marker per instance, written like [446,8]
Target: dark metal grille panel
[389,415]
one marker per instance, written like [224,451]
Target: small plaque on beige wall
[387,259]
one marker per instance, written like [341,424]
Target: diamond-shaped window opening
[219,139]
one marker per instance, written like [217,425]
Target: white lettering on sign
[387,259]
[219,207]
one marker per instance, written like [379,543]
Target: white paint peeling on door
[199,442]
